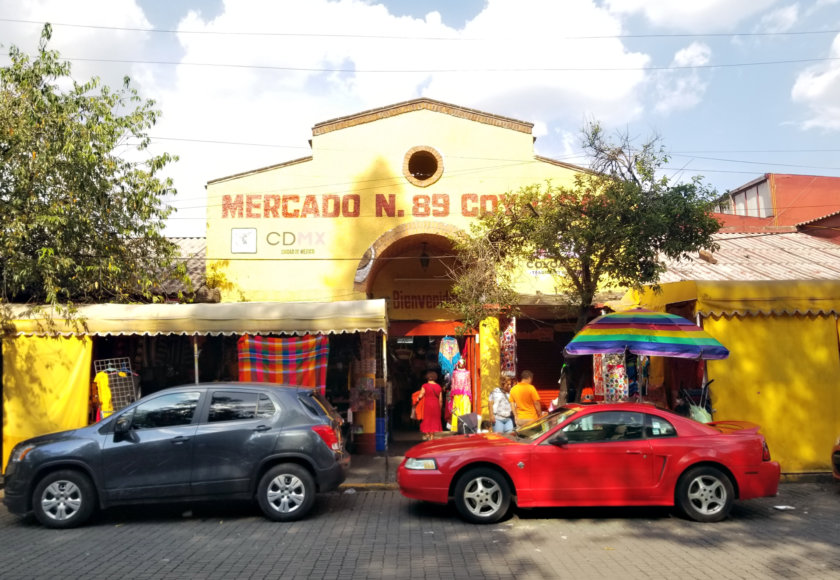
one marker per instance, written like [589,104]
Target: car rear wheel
[482,496]
[63,499]
[705,494]
[286,493]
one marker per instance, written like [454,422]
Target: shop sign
[293,206]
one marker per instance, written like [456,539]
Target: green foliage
[613,227]
[82,208]
[482,278]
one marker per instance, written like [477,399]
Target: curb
[368,486]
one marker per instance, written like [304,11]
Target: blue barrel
[381,434]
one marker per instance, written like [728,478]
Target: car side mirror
[559,439]
[123,424]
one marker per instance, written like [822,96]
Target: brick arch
[392,242]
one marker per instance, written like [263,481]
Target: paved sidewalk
[379,471]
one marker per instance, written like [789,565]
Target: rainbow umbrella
[648,333]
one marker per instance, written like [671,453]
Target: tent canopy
[744,298]
[224,318]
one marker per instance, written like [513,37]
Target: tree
[614,227]
[82,222]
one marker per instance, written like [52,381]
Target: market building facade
[354,243]
[371,214]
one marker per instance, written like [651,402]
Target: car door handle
[633,452]
[262,428]
[180,439]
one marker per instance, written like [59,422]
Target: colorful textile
[448,355]
[461,395]
[646,332]
[615,378]
[508,348]
[298,360]
[598,376]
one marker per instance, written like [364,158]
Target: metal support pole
[195,356]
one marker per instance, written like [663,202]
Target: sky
[733,89]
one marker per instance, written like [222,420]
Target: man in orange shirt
[525,400]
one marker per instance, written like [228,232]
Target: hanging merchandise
[508,348]
[103,391]
[116,384]
[461,393]
[299,360]
[598,376]
[615,378]
[448,355]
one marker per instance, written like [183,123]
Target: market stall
[622,342]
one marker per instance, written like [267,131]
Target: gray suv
[278,444]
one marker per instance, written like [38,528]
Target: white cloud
[682,89]
[693,15]
[780,20]
[77,42]
[818,88]
[695,54]
[520,59]
[269,105]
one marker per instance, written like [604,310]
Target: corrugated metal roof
[741,257]
[817,219]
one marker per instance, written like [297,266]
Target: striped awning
[645,332]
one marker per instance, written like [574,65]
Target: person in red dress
[432,401]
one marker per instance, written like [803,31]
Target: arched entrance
[410,267]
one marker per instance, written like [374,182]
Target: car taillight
[765,451]
[329,436]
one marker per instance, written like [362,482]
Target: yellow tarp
[46,386]
[782,373]
[728,298]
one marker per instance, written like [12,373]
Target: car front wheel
[286,493]
[705,494]
[63,499]
[482,496]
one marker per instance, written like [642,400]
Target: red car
[835,460]
[622,454]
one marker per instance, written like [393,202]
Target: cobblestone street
[377,533]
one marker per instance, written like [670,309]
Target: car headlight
[415,463]
[18,453]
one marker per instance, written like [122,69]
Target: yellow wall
[490,348]
[360,168]
[783,373]
[46,386]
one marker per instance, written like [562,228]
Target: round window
[422,166]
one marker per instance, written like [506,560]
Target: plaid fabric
[298,360]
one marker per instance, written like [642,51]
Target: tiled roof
[194,252]
[783,256]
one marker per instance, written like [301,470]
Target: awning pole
[387,397]
[195,356]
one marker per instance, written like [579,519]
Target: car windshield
[533,430]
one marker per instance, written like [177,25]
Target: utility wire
[450,71]
[414,38]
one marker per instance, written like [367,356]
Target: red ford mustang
[623,454]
